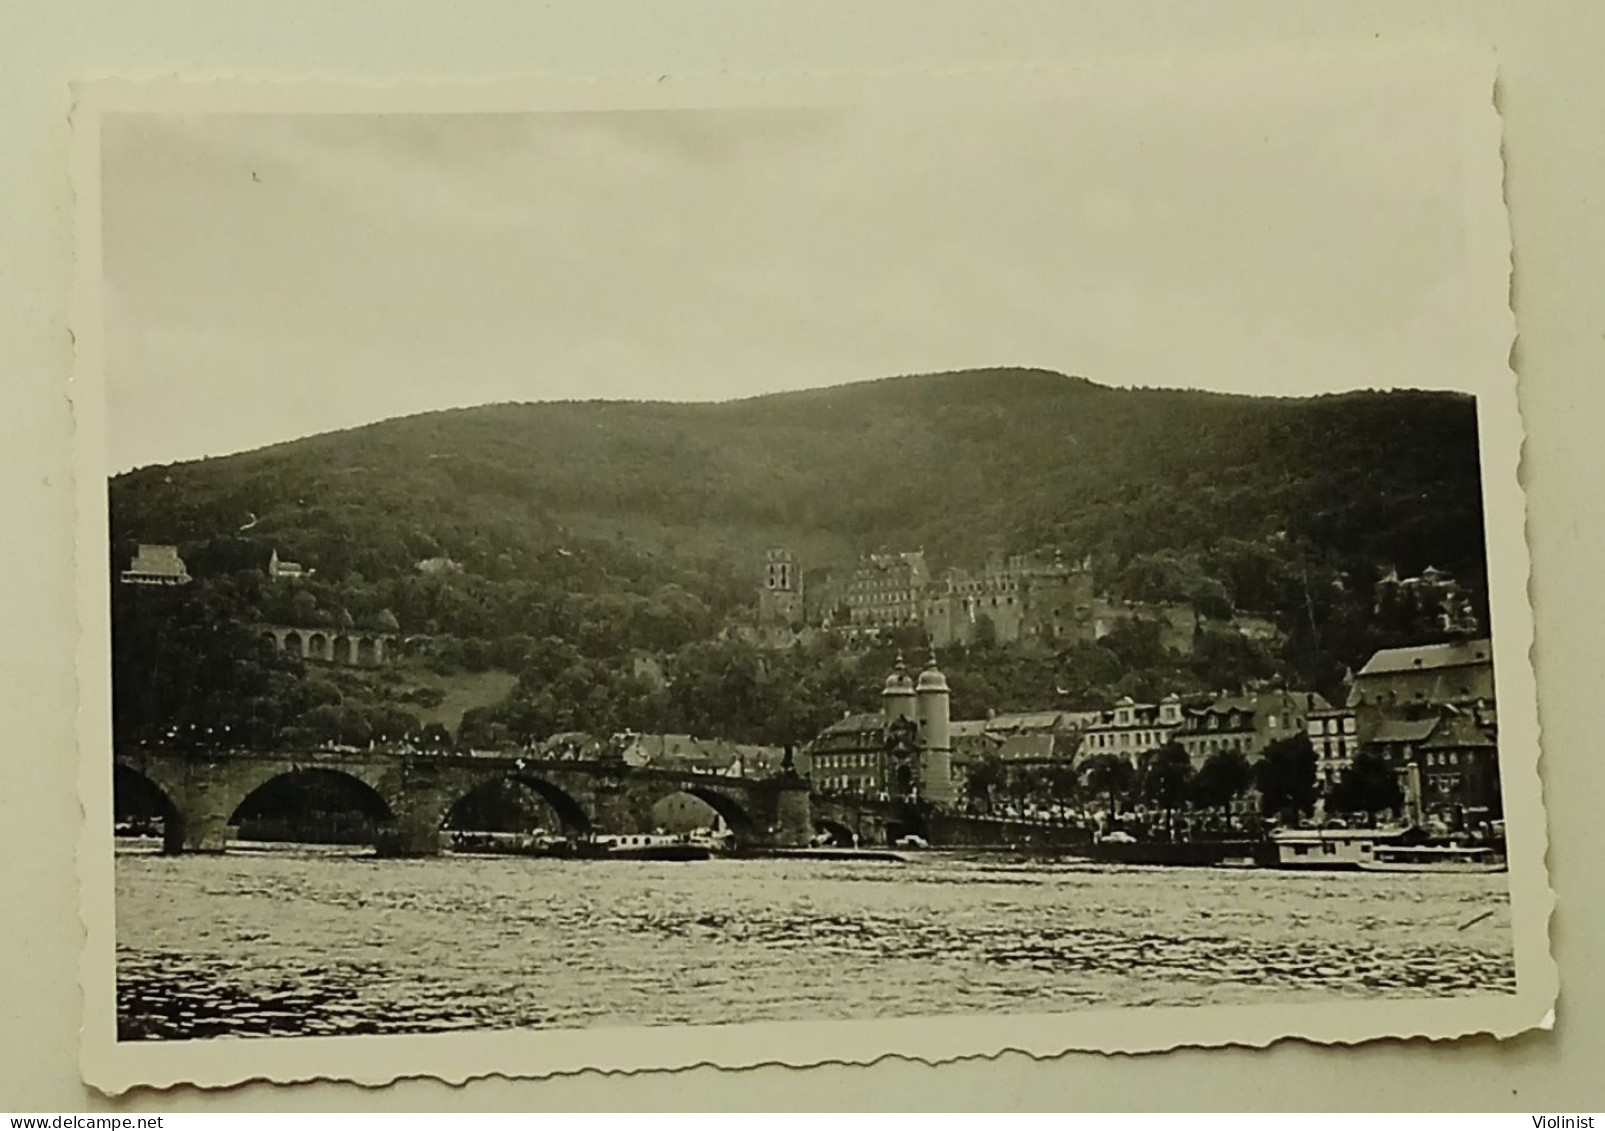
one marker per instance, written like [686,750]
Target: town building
[1453,752]
[1036,737]
[1334,735]
[1459,766]
[1246,723]
[698,755]
[1396,680]
[1022,742]
[903,751]
[1429,712]
[156,565]
[1129,729]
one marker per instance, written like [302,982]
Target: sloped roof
[1027,748]
[854,724]
[1404,730]
[1455,654]
[1305,700]
[1027,722]
[1459,731]
[854,732]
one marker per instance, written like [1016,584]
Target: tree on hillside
[1223,778]
[1368,786]
[1286,777]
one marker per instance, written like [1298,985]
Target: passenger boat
[1330,849]
[1380,850]
[651,847]
[1434,858]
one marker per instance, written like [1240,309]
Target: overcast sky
[270,277]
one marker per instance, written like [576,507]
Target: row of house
[665,751]
[1429,707]
[1202,726]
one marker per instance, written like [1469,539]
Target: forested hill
[571,544]
[598,494]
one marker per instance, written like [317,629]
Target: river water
[309,941]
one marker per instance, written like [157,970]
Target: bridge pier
[614,810]
[409,838]
[202,810]
[794,813]
[418,801]
[198,832]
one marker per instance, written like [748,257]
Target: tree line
[1282,784]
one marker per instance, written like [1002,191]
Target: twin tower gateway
[919,746]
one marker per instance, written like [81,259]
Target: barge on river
[644,846]
[1381,850]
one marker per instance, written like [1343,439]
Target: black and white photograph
[702,562]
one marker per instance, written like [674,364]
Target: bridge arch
[731,811]
[571,815]
[287,801]
[138,798]
[840,835]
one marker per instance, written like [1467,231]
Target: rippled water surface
[313,942]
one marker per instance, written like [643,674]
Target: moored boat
[1434,858]
[1330,849]
[652,847]
[1381,850]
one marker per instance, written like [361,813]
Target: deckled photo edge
[116,1067]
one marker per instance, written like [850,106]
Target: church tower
[935,735]
[780,593]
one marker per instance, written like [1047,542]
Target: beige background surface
[1554,102]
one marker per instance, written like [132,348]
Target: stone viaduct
[349,647]
[202,790]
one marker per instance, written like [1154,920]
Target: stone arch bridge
[346,647]
[202,790]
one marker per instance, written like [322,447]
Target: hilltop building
[1435,596]
[1176,622]
[887,590]
[156,565]
[280,570]
[905,750]
[1019,599]
[1023,597]
[780,594]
